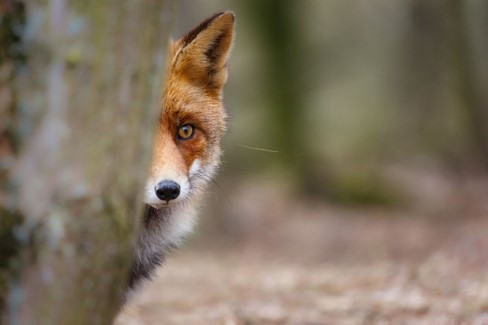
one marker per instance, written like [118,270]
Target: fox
[187,147]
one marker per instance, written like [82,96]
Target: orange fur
[195,78]
[182,168]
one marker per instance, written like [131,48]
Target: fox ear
[203,52]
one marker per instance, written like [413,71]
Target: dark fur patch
[144,269]
[188,38]
[141,271]
[151,213]
[213,52]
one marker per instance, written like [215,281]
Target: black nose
[167,190]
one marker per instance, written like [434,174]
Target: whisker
[257,149]
[222,190]
[214,182]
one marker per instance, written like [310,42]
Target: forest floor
[308,262]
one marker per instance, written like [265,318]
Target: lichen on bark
[86,103]
[12,58]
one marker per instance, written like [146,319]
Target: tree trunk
[80,90]
[469,46]
[276,26]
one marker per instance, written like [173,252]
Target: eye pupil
[185,132]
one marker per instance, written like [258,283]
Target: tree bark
[80,91]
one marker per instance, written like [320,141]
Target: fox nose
[167,190]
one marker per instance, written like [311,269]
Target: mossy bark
[87,95]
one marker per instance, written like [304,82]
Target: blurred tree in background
[445,77]
[344,90]
[80,89]
[276,27]
[470,50]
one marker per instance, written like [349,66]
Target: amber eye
[186,132]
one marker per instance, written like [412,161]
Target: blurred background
[354,180]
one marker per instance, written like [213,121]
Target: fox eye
[186,132]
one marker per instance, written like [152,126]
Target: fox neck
[163,230]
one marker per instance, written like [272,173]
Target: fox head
[193,120]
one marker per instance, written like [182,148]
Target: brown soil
[284,261]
